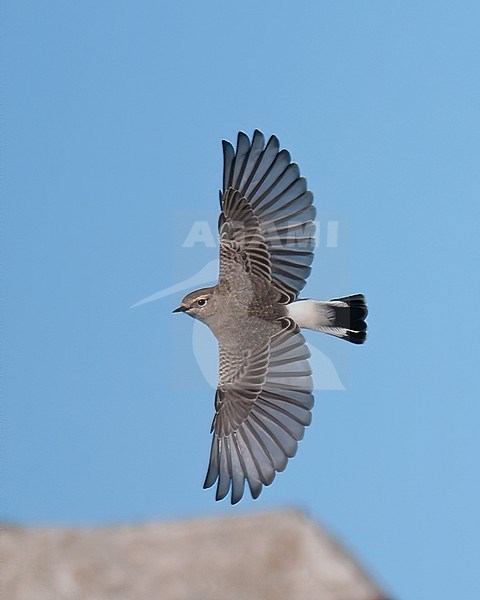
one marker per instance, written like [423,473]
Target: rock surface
[274,556]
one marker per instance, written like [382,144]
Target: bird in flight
[264,396]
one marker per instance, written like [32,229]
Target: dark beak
[180,309]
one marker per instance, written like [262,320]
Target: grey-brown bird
[264,396]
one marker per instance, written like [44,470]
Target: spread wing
[242,244]
[277,195]
[262,407]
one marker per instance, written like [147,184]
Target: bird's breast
[247,318]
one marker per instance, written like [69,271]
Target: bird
[264,396]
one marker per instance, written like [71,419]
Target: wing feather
[267,180]
[263,167]
[241,240]
[261,413]
[228,159]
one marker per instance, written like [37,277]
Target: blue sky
[113,114]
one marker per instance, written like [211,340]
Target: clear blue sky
[113,114]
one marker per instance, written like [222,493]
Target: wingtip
[255,489]
[257,135]
[235,499]
[242,134]
[210,479]
[286,153]
[273,140]
[220,495]
[258,139]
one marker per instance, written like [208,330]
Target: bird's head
[200,304]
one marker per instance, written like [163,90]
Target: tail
[341,317]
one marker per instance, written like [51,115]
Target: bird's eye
[201,302]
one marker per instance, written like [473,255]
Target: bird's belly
[248,326]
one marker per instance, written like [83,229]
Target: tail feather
[341,317]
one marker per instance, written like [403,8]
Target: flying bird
[264,396]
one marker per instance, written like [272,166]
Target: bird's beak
[180,309]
